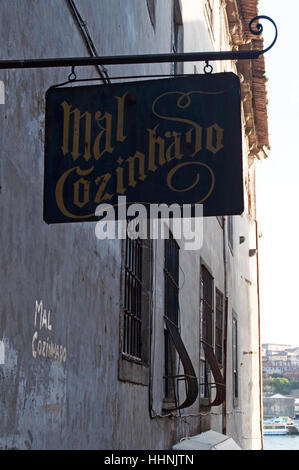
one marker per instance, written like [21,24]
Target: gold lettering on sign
[85,184]
[76,131]
[174,149]
[59,192]
[103,141]
[194,126]
[103,181]
[141,174]
[182,165]
[218,131]
[153,141]
[88,136]
[105,132]
[120,137]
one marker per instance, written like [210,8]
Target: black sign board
[168,141]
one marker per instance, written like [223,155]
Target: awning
[209,440]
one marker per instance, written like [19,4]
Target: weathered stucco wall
[60,285]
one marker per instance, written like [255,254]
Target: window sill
[236,402]
[204,402]
[168,403]
[136,360]
[133,370]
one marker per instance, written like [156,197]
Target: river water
[288,442]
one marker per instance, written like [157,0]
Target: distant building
[278,405]
[276,347]
[273,348]
[280,359]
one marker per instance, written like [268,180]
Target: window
[177,36]
[171,309]
[202,379]
[132,298]
[136,309]
[206,317]
[230,232]
[219,327]
[151,5]
[207,306]
[235,359]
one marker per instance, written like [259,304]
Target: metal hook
[72,76]
[208,67]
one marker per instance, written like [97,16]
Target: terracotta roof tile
[248,10]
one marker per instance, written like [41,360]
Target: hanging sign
[168,141]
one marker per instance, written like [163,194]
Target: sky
[277,180]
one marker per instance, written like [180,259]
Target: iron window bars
[210,363]
[219,327]
[206,297]
[235,358]
[171,309]
[132,344]
[174,346]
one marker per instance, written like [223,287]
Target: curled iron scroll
[218,377]
[189,373]
[257,28]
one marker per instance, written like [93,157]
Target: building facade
[279,405]
[280,359]
[86,360]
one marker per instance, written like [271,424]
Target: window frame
[134,369]
[203,366]
[133,286]
[217,310]
[170,353]
[235,359]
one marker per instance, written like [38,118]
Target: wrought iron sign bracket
[255,28]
